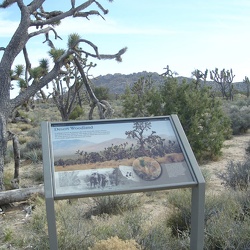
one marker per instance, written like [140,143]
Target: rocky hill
[117,82]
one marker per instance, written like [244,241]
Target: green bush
[38,176]
[180,219]
[236,175]
[75,231]
[159,236]
[239,113]
[227,218]
[228,228]
[35,133]
[76,113]
[34,155]
[200,114]
[32,145]
[102,93]
[136,100]
[115,204]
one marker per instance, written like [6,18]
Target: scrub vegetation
[150,220]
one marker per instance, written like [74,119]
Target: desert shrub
[102,93]
[115,243]
[8,176]
[38,176]
[25,127]
[206,174]
[180,219]
[128,226]
[75,231]
[137,99]
[248,149]
[76,113]
[34,155]
[32,150]
[226,229]
[132,225]
[115,204]
[7,235]
[200,114]
[226,220]
[243,198]
[22,113]
[35,133]
[9,155]
[34,144]
[239,113]
[226,233]
[236,175]
[159,236]
[22,140]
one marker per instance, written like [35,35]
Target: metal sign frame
[159,176]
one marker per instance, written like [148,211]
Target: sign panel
[115,156]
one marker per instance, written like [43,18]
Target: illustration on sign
[130,155]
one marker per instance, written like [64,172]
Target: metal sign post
[48,187]
[198,193]
[77,156]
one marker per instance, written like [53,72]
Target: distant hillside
[117,82]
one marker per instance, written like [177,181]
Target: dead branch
[22,194]
[44,31]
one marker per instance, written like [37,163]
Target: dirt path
[233,150]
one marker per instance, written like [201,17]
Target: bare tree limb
[44,31]
[7,3]
[22,194]
[63,15]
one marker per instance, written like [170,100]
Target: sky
[186,35]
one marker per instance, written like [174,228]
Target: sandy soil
[233,150]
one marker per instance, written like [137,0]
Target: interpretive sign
[90,158]
[111,156]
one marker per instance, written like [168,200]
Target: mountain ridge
[117,83]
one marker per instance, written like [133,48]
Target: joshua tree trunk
[3,146]
[34,15]
[16,151]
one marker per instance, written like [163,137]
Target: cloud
[7,27]
[100,26]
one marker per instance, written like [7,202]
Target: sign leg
[51,220]
[197,217]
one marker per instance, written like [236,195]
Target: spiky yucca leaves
[55,54]
[22,84]
[19,69]
[44,65]
[17,72]
[72,40]
[41,70]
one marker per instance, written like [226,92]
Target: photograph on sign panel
[117,156]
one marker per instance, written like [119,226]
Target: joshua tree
[224,78]
[45,22]
[169,72]
[199,75]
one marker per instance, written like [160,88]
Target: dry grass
[13,230]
